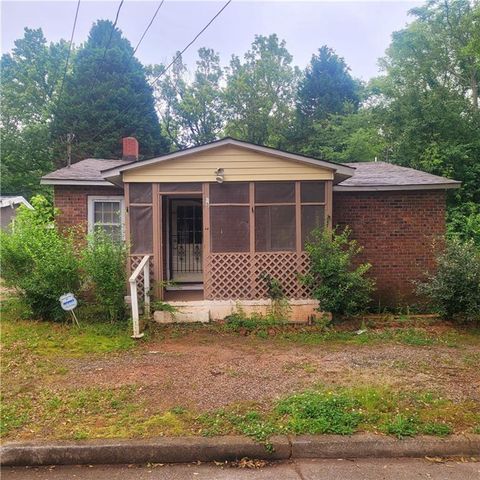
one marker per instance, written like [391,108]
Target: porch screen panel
[275,228]
[229,193]
[312,192]
[275,192]
[140,193]
[313,216]
[229,229]
[141,229]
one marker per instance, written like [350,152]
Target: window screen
[275,192]
[140,192]
[107,216]
[313,216]
[229,193]
[275,228]
[229,229]
[141,229]
[312,192]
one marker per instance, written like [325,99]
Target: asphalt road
[364,469]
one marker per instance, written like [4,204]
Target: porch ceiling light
[219,175]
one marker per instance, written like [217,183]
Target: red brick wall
[397,231]
[73,203]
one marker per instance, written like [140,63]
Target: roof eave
[64,181]
[386,188]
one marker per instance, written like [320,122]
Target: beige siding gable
[239,164]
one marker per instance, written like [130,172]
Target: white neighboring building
[8,208]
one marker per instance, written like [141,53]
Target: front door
[186,228]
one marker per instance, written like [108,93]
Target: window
[141,229]
[108,214]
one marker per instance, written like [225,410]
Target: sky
[358,31]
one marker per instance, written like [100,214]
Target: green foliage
[193,113]
[259,93]
[402,426]
[103,262]
[453,290]
[464,222]
[39,261]
[339,286]
[31,77]
[320,412]
[427,101]
[326,87]
[103,83]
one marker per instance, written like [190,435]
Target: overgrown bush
[341,287]
[38,260]
[103,263]
[453,290]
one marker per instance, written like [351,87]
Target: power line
[191,43]
[171,63]
[69,53]
[107,46]
[148,27]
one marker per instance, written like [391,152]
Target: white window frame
[105,198]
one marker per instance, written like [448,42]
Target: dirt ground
[202,370]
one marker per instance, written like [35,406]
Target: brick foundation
[72,200]
[397,231]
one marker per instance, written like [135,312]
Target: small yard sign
[68,302]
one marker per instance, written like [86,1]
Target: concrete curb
[191,449]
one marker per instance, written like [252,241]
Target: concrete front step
[213,310]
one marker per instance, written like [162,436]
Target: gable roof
[359,176]
[379,176]
[342,171]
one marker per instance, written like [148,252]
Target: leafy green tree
[428,100]
[260,91]
[31,77]
[107,97]
[192,113]
[326,87]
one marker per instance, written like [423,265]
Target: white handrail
[133,280]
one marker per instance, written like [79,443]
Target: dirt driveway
[204,369]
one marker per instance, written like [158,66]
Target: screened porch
[214,241]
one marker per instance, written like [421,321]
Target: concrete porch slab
[213,310]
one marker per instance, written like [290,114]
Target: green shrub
[453,290]
[39,261]
[339,286]
[103,262]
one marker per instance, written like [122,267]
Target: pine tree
[107,97]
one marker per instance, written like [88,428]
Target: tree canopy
[107,97]
[422,111]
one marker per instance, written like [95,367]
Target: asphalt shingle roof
[89,169]
[367,174]
[376,174]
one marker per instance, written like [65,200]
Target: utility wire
[171,63]
[191,43]
[148,27]
[69,53]
[107,46]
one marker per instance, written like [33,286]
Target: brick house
[212,218]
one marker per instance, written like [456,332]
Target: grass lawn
[401,376]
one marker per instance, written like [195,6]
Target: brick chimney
[130,149]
